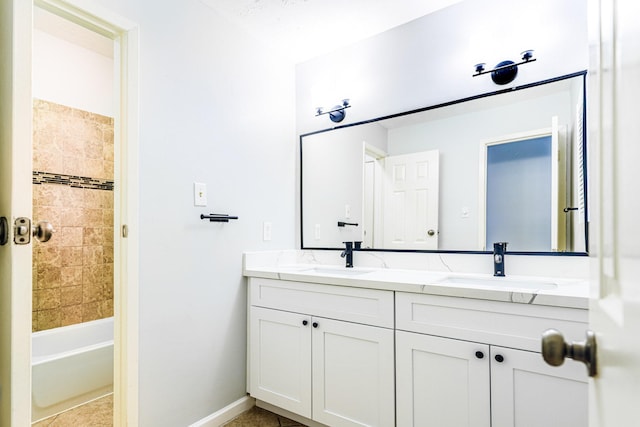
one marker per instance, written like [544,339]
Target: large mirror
[508,166]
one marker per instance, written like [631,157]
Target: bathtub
[70,366]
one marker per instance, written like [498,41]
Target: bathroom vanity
[385,347]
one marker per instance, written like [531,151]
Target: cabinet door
[280,359]
[441,382]
[353,374]
[526,392]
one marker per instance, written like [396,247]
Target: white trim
[16,111]
[227,413]
[125,35]
[374,151]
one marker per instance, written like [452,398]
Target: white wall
[217,108]
[431,60]
[70,75]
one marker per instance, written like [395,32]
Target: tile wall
[72,189]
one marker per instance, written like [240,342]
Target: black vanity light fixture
[336,114]
[505,71]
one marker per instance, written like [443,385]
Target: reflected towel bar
[217,217]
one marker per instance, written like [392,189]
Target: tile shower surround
[73,189]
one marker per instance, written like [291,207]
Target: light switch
[317,232]
[464,212]
[199,194]
[347,211]
[266,231]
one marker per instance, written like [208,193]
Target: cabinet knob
[499,358]
[305,322]
[314,324]
[479,355]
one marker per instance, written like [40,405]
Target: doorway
[73,189]
[16,183]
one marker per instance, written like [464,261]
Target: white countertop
[550,291]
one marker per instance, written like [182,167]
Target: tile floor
[97,413]
[258,417]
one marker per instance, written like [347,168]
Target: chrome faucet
[499,248]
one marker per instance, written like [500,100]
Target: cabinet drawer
[359,305]
[498,323]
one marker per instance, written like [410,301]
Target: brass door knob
[555,350]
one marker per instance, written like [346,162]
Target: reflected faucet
[348,252]
[499,249]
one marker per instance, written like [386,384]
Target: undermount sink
[501,282]
[337,271]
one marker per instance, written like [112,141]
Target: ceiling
[298,29]
[303,29]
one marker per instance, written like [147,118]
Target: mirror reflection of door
[411,201]
[523,192]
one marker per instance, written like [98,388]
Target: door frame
[558,191]
[125,35]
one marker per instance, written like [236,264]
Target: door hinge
[125,231]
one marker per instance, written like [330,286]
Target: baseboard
[227,413]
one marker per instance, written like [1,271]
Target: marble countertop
[549,291]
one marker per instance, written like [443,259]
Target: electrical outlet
[199,194]
[266,231]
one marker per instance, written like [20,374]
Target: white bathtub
[70,366]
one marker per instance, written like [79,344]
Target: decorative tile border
[72,181]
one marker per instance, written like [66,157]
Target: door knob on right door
[555,350]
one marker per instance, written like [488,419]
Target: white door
[615,232]
[15,201]
[411,201]
[526,392]
[280,359]
[353,374]
[441,382]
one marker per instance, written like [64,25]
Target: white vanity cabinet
[323,352]
[463,362]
